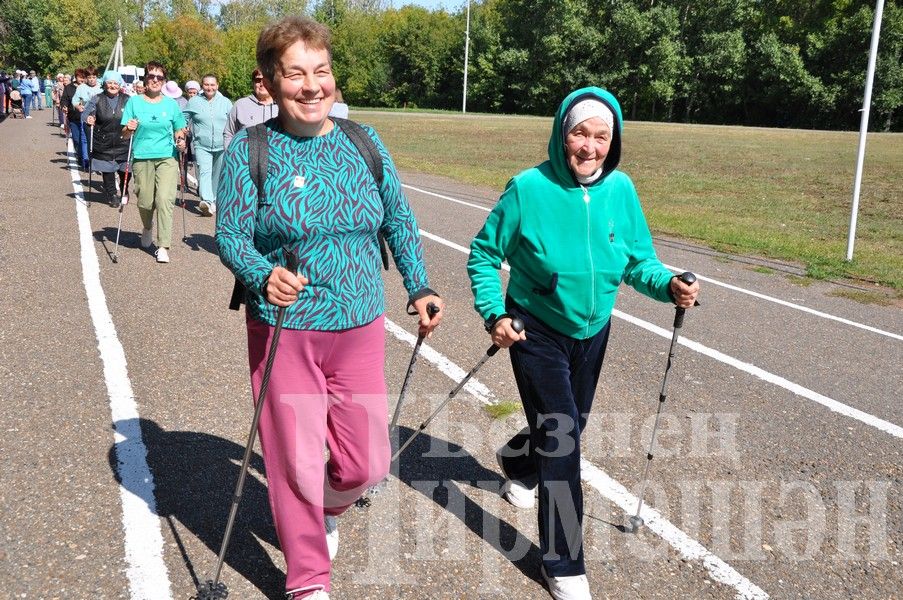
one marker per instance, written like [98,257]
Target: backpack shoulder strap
[374,160]
[258,157]
[258,160]
[365,146]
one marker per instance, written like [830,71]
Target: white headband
[587,109]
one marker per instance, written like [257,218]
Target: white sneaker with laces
[515,492]
[147,237]
[162,255]
[332,535]
[573,587]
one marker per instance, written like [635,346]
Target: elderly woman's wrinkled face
[191,92]
[111,86]
[304,89]
[139,86]
[587,145]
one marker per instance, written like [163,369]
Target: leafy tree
[186,45]
[361,72]
[239,45]
[241,13]
[414,43]
[23,44]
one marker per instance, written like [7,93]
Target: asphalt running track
[127,405]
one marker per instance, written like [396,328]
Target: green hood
[556,142]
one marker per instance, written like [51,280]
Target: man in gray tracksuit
[250,110]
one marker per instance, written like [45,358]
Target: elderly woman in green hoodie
[207,114]
[572,230]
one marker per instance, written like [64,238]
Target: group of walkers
[303,198]
[24,91]
[301,233]
[156,131]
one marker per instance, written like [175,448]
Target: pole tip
[635,523]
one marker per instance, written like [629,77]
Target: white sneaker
[147,237]
[212,208]
[204,207]
[515,492]
[332,536]
[28,117]
[574,587]
[518,494]
[162,255]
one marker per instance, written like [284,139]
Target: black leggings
[109,186]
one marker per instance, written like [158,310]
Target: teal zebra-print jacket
[323,204]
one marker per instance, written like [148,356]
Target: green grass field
[776,193]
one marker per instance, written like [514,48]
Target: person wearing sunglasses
[254,108]
[158,127]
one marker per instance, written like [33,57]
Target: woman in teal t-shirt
[159,130]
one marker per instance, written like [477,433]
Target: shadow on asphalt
[456,466]
[195,475]
[194,479]
[201,241]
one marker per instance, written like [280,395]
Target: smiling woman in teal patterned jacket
[328,385]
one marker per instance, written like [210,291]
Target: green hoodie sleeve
[490,248]
[644,271]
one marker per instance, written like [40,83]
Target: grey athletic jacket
[246,112]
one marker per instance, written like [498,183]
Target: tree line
[786,63]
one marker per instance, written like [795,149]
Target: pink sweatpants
[327,389]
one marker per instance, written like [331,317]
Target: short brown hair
[154,65]
[90,71]
[81,73]
[275,40]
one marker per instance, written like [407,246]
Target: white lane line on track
[446,366]
[146,570]
[689,548]
[680,541]
[805,309]
[799,307]
[829,403]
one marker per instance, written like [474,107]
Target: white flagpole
[466,51]
[864,127]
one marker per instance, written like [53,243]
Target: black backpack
[258,161]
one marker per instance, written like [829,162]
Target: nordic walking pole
[518,326]
[90,158]
[636,521]
[214,589]
[123,200]
[182,192]
[431,310]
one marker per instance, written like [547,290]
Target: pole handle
[517,325]
[688,278]
[291,260]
